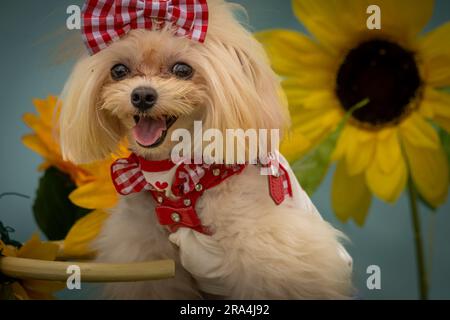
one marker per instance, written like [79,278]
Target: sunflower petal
[44,166]
[435,51]
[320,99]
[441,103]
[342,143]
[291,52]
[430,97]
[429,170]
[387,177]
[321,20]
[47,110]
[401,19]
[316,79]
[294,146]
[81,235]
[419,132]
[443,122]
[315,124]
[438,105]
[388,150]
[35,249]
[43,133]
[405,17]
[35,144]
[350,196]
[95,195]
[30,119]
[7,250]
[359,151]
[294,93]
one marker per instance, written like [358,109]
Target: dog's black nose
[144,98]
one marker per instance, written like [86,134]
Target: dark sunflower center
[385,73]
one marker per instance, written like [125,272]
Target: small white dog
[156,74]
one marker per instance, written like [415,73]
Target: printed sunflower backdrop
[82,193]
[369,141]
[391,82]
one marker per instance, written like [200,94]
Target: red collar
[155,166]
[190,182]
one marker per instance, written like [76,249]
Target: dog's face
[153,89]
[151,83]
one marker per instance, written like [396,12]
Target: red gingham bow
[105,21]
[127,176]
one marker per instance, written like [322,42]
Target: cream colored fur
[271,251]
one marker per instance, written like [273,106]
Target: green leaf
[54,212]
[312,169]
[445,89]
[445,141]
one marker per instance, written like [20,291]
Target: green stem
[420,256]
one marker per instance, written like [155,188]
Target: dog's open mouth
[150,132]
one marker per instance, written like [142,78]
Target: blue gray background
[29,33]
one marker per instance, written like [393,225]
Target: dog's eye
[182,70]
[119,71]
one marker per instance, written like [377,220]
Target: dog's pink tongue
[147,131]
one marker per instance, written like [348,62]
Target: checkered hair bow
[106,21]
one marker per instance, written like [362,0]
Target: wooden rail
[20,268]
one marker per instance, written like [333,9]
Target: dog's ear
[244,91]
[269,102]
[87,133]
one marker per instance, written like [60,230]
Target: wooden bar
[20,268]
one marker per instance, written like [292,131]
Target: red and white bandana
[177,188]
[106,21]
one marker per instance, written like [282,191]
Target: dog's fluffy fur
[271,251]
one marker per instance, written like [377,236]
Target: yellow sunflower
[77,243]
[94,188]
[399,70]
[29,288]
[44,141]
